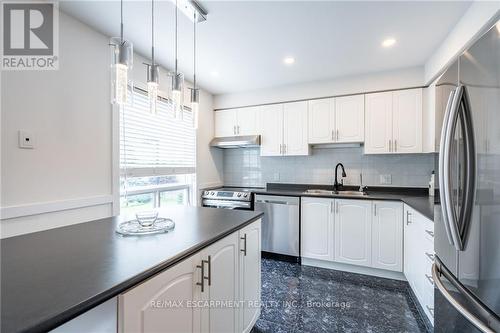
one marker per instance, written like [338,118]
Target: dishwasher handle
[292,201]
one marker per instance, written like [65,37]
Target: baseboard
[354,269]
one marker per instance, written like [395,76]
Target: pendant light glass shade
[122,60]
[153,83]
[195,105]
[177,94]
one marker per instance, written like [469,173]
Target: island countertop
[50,277]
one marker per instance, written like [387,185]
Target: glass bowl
[146,219]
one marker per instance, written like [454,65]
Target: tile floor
[313,300]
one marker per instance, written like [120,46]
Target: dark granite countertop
[50,277]
[417,198]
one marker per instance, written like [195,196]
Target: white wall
[67,178]
[403,78]
[479,16]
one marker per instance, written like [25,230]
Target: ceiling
[242,44]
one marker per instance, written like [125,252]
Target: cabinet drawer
[428,230]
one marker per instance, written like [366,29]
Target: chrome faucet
[336,184]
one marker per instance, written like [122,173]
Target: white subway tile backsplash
[245,167]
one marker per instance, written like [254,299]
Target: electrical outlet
[26,140]
[386,179]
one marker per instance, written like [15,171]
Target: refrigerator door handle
[493,321]
[451,215]
[443,167]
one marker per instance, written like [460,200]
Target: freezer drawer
[280,224]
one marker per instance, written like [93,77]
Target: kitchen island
[53,276]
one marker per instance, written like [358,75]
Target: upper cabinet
[394,122]
[284,129]
[233,122]
[336,120]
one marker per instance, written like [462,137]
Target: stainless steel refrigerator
[467,217]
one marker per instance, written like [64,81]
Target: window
[157,156]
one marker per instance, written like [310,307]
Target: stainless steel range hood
[247,141]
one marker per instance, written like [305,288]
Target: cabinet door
[353,231]
[159,304]
[387,235]
[225,123]
[248,121]
[250,283]
[350,118]
[271,126]
[295,128]
[317,228]
[321,120]
[407,121]
[378,129]
[223,286]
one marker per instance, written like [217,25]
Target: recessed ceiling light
[388,42]
[289,60]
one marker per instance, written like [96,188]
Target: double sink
[328,192]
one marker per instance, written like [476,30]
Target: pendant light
[122,60]
[177,78]
[195,92]
[153,73]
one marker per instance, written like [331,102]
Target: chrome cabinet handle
[337,207]
[374,209]
[390,145]
[333,139]
[431,310]
[395,145]
[430,256]
[280,149]
[244,250]
[337,135]
[431,233]
[408,214]
[430,279]
[234,129]
[238,129]
[202,282]
[471,317]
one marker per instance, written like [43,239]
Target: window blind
[155,144]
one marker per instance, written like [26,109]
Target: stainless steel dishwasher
[280,224]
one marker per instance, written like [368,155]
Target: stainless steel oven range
[228,198]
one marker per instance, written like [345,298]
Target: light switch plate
[386,179]
[26,140]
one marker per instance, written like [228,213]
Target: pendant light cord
[152,32]
[176,10]
[194,50]
[121,21]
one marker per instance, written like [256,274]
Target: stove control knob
[239,195]
[212,193]
[246,195]
[205,192]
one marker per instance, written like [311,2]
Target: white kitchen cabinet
[159,304]
[394,122]
[350,119]
[225,123]
[337,120]
[164,303]
[295,129]
[222,285]
[317,228]
[271,126]
[249,273]
[378,130]
[353,231]
[321,120]
[387,235]
[284,129]
[407,121]
[418,257]
[234,122]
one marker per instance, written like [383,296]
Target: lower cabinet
[353,231]
[418,258]
[387,235]
[215,290]
[357,232]
[317,228]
